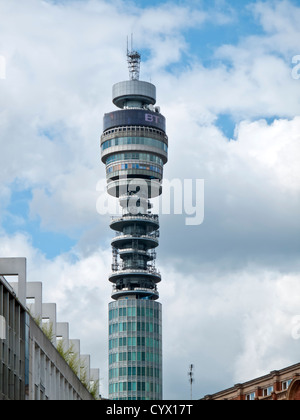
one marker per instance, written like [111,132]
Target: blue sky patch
[17,220]
[227,125]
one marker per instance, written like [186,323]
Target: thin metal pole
[191,379]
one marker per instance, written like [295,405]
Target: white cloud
[280,21]
[47,87]
[273,150]
[241,265]
[238,323]
[267,339]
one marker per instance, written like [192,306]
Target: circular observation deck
[125,241]
[144,93]
[149,275]
[119,223]
[127,252]
[143,292]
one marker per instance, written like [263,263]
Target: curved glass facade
[135,365]
[132,155]
[128,166]
[121,141]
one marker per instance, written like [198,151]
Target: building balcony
[118,223]
[143,291]
[125,241]
[151,274]
[125,252]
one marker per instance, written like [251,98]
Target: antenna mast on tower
[134,61]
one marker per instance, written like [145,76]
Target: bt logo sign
[152,118]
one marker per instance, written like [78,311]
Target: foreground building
[38,360]
[283,384]
[134,148]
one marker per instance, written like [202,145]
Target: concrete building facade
[38,359]
[14,365]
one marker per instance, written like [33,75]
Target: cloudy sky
[228,83]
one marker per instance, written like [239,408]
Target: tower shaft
[134,148]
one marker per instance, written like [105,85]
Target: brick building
[281,384]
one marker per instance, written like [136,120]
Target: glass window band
[121,141]
[148,157]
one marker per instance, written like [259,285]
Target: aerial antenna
[134,60]
[191,379]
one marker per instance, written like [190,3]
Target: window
[45,321]
[113,314]
[250,397]
[30,303]
[135,140]
[128,156]
[267,391]
[141,386]
[286,384]
[131,341]
[122,326]
[122,341]
[131,386]
[122,371]
[131,311]
[2,328]
[122,386]
[122,311]
[116,168]
[131,371]
[131,356]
